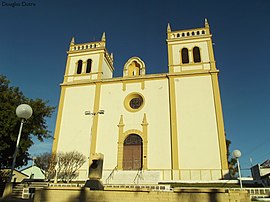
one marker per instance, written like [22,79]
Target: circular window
[134,102]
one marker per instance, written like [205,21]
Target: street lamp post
[24,112]
[237,154]
[93,114]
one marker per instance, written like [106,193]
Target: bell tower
[88,62]
[190,50]
[194,90]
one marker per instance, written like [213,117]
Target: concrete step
[38,184]
[131,177]
[17,191]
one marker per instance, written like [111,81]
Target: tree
[47,163]
[68,164]
[10,98]
[64,165]
[4,176]
[231,161]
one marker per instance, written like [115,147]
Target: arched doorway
[132,153]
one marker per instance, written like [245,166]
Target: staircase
[17,191]
[38,185]
[26,190]
[131,177]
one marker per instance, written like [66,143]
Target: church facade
[165,126]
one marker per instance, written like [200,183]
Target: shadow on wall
[86,196]
[68,195]
[187,195]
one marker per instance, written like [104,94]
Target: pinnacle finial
[72,42]
[206,24]
[112,56]
[169,28]
[121,121]
[103,38]
[144,121]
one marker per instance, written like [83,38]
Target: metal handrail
[138,176]
[111,175]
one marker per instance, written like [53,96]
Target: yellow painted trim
[173,120]
[67,68]
[190,38]
[82,74]
[188,42]
[180,57]
[143,85]
[123,135]
[128,68]
[218,107]
[189,30]
[220,122]
[124,88]
[103,51]
[190,55]
[170,58]
[95,121]
[76,68]
[121,126]
[191,63]
[84,67]
[145,141]
[100,64]
[59,120]
[126,80]
[88,53]
[129,97]
[211,55]
[124,83]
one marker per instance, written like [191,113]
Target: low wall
[53,194]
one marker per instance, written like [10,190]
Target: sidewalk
[15,200]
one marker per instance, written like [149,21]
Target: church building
[149,127]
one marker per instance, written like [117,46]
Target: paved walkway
[15,200]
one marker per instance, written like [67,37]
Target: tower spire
[206,24]
[112,56]
[72,42]
[103,38]
[169,28]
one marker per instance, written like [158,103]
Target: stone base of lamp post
[8,189]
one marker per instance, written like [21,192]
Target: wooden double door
[132,153]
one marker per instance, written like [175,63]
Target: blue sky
[34,40]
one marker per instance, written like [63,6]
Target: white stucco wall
[107,73]
[196,119]
[158,114]
[75,128]
[156,105]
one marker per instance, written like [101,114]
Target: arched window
[79,67]
[196,54]
[88,66]
[134,69]
[132,152]
[184,54]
